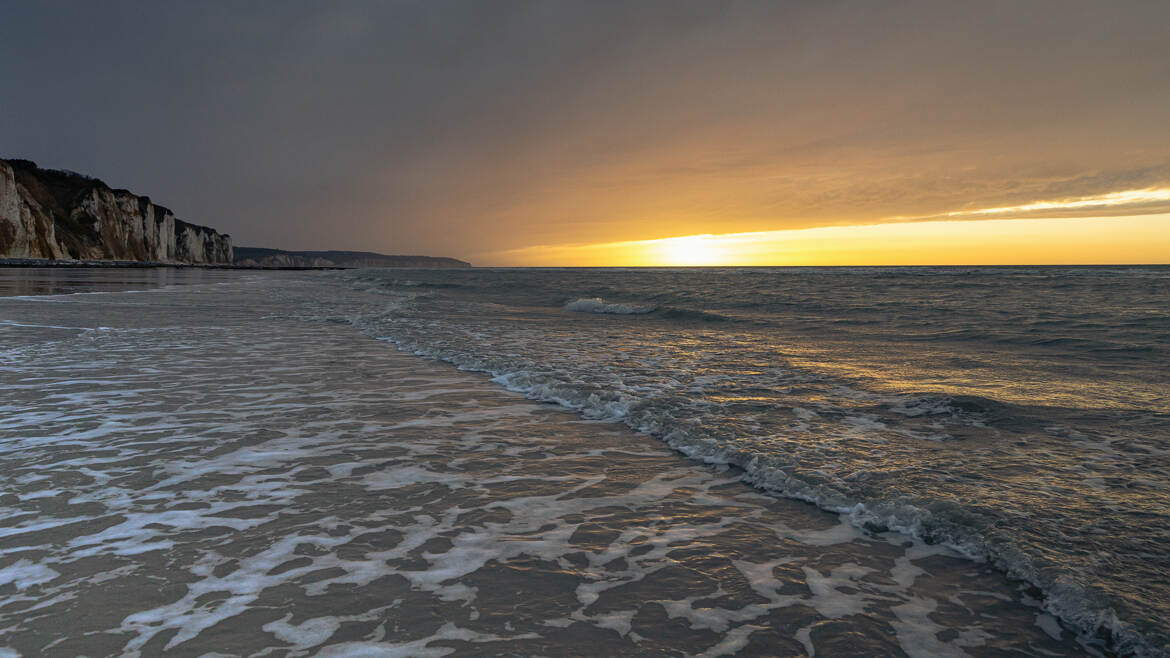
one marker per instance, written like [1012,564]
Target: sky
[617,133]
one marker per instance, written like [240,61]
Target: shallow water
[20,281]
[1021,414]
[232,468]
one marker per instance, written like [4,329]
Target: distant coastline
[265,257]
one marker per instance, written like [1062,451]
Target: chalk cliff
[52,214]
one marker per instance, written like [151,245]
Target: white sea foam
[636,407]
[24,573]
[599,305]
[290,466]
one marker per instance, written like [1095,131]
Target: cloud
[1147,201]
[455,127]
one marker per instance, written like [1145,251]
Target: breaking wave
[945,523]
[814,416]
[599,305]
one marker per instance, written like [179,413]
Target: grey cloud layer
[457,127]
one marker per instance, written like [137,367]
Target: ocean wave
[941,522]
[599,305]
[976,406]
[727,395]
[689,314]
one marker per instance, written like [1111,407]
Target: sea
[925,461]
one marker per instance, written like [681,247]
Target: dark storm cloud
[462,127]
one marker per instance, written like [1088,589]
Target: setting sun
[691,250]
[1087,240]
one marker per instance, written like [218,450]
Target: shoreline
[41,263]
[453,491]
[573,388]
[852,542]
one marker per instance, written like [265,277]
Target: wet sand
[224,467]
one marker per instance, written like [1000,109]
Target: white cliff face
[13,235]
[189,241]
[26,230]
[56,215]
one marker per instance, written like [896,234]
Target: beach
[231,463]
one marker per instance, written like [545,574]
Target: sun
[691,250]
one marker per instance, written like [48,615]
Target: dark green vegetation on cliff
[62,215]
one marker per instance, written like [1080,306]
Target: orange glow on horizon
[1141,239]
[691,250]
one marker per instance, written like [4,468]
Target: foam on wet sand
[227,468]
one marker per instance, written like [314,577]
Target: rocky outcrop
[59,215]
[261,257]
